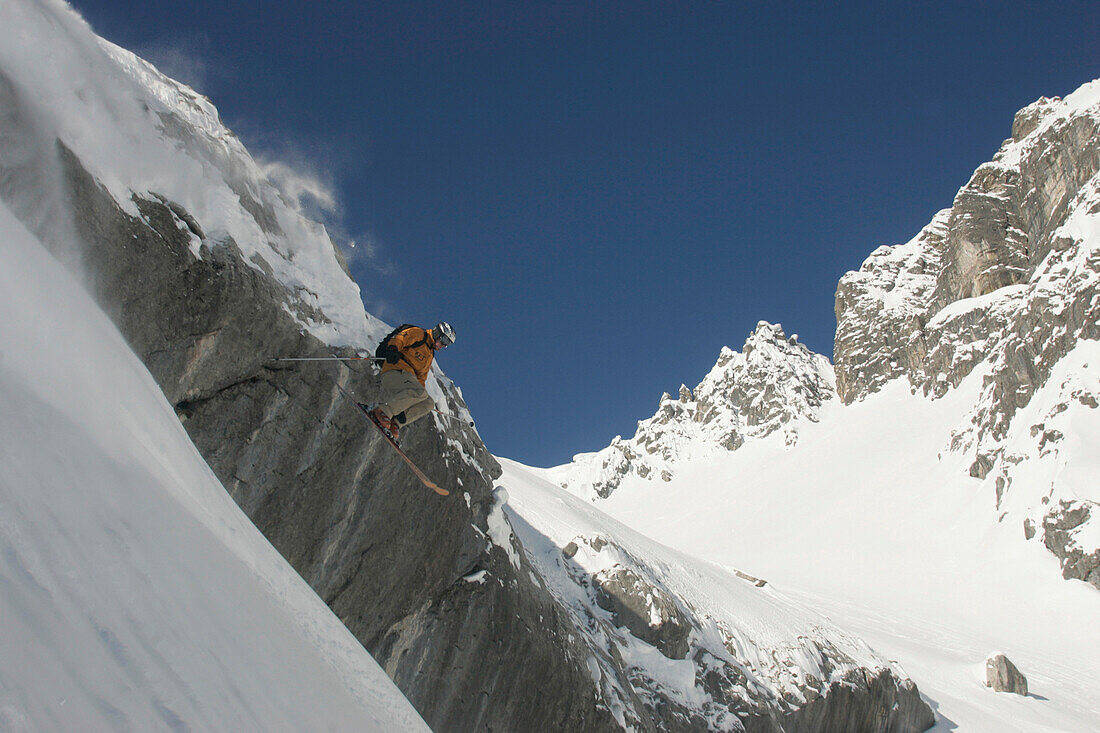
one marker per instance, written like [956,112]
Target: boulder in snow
[1002,675]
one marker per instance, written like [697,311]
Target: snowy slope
[722,644]
[870,520]
[134,594]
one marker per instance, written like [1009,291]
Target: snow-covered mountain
[773,385]
[935,499]
[914,510]
[1004,285]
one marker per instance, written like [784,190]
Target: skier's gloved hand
[392,354]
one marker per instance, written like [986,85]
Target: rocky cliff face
[767,388]
[1005,283]
[210,272]
[392,559]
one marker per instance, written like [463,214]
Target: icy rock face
[652,639]
[1020,221]
[1005,284]
[210,273]
[767,388]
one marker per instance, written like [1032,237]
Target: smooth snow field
[870,521]
[134,594]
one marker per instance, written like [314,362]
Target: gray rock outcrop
[622,602]
[1061,528]
[915,310]
[389,557]
[1002,676]
[647,611]
[1006,284]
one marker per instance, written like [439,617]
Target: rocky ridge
[767,388]
[1005,284]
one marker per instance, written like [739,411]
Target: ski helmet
[444,333]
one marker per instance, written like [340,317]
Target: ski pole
[452,417]
[327,358]
[470,423]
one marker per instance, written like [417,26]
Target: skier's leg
[415,411]
[402,393]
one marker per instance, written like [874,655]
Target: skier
[408,352]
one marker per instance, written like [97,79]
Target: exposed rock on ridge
[1005,283]
[768,387]
[715,673]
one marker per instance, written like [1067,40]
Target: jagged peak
[768,349]
[772,335]
[765,334]
[770,386]
[767,330]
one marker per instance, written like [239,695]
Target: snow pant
[403,398]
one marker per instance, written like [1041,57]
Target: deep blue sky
[599,196]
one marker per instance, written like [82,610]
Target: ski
[389,439]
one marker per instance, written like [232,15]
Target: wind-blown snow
[134,594]
[139,132]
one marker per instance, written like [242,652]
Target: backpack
[386,350]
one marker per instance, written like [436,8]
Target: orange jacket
[416,347]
